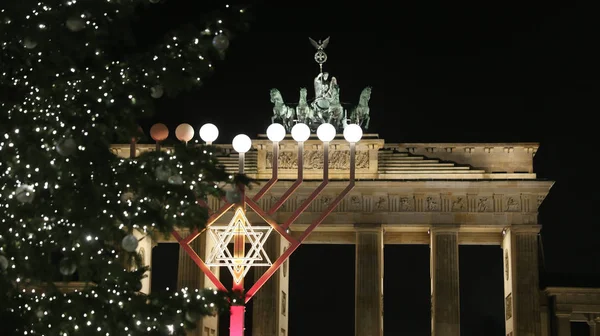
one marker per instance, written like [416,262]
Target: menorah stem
[274,173]
[352,161]
[326,160]
[241,163]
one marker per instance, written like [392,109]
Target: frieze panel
[338,160]
[512,204]
[380,202]
[459,203]
[484,204]
[355,203]
[432,203]
[406,203]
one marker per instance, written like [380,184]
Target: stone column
[270,304]
[563,324]
[144,250]
[369,280]
[544,313]
[191,276]
[445,288]
[521,280]
[593,324]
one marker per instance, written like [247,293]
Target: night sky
[510,71]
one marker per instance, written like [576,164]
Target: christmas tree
[77,76]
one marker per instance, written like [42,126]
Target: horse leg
[367,120]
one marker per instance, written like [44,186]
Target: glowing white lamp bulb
[209,133]
[353,133]
[300,132]
[326,132]
[275,132]
[241,143]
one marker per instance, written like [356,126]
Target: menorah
[240,231]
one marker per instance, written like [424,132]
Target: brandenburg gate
[440,194]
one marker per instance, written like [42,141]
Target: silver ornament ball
[129,243]
[176,180]
[24,193]
[67,267]
[66,147]
[162,173]
[220,42]
[75,24]
[3,263]
[157,91]
[192,316]
[29,43]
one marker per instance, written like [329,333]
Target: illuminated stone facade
[441,194]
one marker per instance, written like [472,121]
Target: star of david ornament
[224,236]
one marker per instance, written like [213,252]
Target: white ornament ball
[39,313]
[129,243]
[66,147]
[157,91]
[176,180]
[220,42]
[67,267]
[233,196]
[154,1]
[3,263]
[75,24]
[24,193]
[29,43]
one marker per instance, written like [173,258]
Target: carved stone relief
[407,204]
[339,160]
[484,204]
[506,264]
[459,203]
[508,306]
[382,203]
[512,204]
[432,203]
[355,203]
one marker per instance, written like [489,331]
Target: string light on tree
[72,210]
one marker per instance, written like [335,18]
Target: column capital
[444,228]
[525,229]
[368,227]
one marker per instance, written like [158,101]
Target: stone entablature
[481,210]
[376,160]
[575,300]
[491,157]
